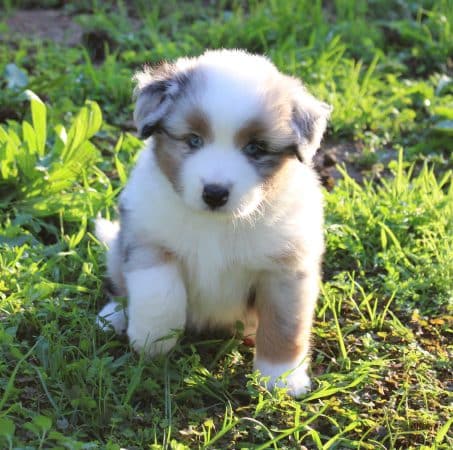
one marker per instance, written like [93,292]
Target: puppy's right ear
[156,90]
[309,120]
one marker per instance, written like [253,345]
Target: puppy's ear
[309,121]
[155,92]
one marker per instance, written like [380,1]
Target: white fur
[156,309]
[217,256]
[291,375]
[106,231]
[112,315]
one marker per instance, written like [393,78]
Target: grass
[382,335]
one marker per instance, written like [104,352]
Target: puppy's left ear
[309,121]
[156,90]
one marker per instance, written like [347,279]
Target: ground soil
[45,24]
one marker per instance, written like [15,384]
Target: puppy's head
[225,125]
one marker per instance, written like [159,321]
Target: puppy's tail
[106,231]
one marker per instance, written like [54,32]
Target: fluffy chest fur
[220,260]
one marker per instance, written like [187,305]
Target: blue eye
[254,149]
[194,141]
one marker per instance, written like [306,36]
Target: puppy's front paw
[149,342]
[292,376]
[157,308]
[112,315]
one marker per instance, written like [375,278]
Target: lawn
[382,339]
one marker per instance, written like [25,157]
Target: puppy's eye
[194,141]
[255,149]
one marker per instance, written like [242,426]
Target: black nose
[215,195]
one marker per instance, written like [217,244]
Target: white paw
[112,315]
[157,308]
[145,341]
[292,376]
[106,231]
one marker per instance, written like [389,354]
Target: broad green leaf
[29,137]
[38,113]
[94,118]
[26,158]
[7,427]
[63,175]
[61,139]
[86,124]
[42,422]
[76,135]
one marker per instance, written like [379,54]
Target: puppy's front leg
[156,300]
[285,304]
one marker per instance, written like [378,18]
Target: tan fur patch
[165,255]
[285,309]
[145,256]
[278,179]
[273,124]
[276,340]
[169,157]
[253,130]
[170,147]
[199,124]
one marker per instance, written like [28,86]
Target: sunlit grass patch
[381,340]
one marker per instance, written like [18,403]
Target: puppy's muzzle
[215,195]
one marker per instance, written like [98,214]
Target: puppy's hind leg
[157,300]
[112,315]
[285,304]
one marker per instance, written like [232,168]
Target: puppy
[221,220]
